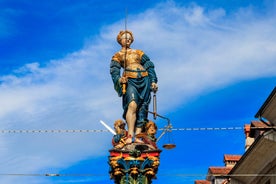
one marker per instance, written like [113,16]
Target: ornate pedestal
[136,163]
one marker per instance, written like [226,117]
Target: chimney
[248,140]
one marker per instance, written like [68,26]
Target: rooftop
[219,170]
[268,109]
[259,124]
[232,157]
[202,182]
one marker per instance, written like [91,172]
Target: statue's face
[151,130]
[119,129]
[126,40]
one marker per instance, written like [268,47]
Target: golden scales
[168,129]
[169,144]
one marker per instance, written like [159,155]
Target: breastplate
[133,67]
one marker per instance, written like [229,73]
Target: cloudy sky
[215,62]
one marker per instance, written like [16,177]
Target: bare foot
[128,140]
[138,140]
[120,145]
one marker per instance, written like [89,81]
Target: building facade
[258,164]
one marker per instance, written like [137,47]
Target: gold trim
[135,74]
[133,158]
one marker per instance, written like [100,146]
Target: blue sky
[215,62]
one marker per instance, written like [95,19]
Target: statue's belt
[135,73]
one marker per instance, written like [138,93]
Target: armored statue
[134,85]
[134,157]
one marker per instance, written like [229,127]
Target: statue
[149,136]
[118,140]
[134,157]
[135,84]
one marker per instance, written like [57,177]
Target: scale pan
[169,146]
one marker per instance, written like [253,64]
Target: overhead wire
[53,131]
[53,174]
[101,131]
[170,175]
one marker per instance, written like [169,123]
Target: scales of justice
[135,156]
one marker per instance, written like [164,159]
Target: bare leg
[131,119]
[138,131]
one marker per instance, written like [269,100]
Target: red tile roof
[219,170]
[232,157]
[202,182]
[258,124]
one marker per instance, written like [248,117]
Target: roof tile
[219,170]
[232,157]
[202,182]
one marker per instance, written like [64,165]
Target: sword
[124,84]
[108,127]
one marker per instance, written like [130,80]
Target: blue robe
[138,89]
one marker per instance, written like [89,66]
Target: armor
[132,63]
[139,71]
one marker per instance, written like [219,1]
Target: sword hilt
[124,88]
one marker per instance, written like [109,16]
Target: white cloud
[199,50]
[193,50]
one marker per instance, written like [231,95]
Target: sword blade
[108,127]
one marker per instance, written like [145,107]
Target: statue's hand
[154,87]
[123,80]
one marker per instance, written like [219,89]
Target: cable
[218,175]
[206,129]
[101,131]
[170,175]
[52,131]
[52,175]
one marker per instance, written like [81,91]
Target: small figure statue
[118,140]
[149,136]
[135,84]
